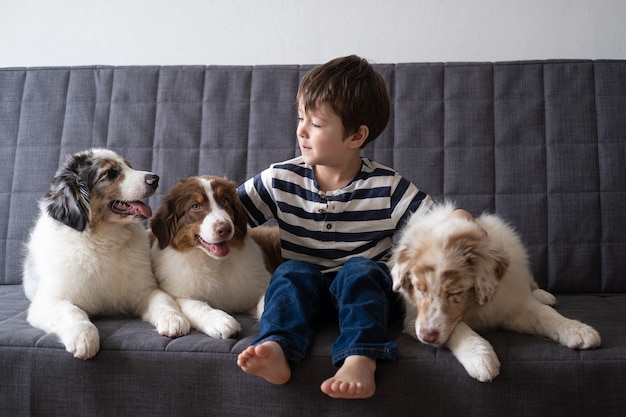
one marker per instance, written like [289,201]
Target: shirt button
[329,226]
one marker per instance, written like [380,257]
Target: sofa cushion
[149,374]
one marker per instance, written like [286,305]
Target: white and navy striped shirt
[328,228]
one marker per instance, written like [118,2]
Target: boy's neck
[330,178]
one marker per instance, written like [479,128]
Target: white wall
[169,32]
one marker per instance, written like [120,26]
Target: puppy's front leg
[77,333]
[215,323]
[162,311]
[475,353]
[540,320]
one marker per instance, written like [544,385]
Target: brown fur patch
[104,191]
[268,238]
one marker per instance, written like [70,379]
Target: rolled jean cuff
[388,351]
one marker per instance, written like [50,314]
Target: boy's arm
[408,200]
[257,201]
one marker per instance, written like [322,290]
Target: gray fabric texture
[542,143]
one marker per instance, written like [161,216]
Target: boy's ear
[358,138]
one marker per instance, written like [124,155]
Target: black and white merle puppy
[88,253]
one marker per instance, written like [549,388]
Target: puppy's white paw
[544,297]
[220,324]
[481,362]
[172,324]
[577,335]
[84,341]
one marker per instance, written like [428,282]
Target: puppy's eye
[225,201]
[455,297]
[195,206]
[111,174]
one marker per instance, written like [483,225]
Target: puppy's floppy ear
[399,265]
[240,216]
[398,276]
[67,201]
[164,222]
[489,265]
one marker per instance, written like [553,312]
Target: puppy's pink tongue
[141,209]
[132,208]
[219,249]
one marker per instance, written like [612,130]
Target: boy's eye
[315,124]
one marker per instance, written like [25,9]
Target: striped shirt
[328,228]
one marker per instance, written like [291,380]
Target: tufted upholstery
[541,143]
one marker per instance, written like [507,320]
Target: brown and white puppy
[89,254]
[206,259]
[458,275]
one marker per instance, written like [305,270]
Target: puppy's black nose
[152,180]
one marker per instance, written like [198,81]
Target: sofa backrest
[541,143]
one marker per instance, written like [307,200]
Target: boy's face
[321,136]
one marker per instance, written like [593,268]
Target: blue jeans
[359,296]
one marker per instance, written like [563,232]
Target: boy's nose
[301,131]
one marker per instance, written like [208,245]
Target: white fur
[483,300]
[209,288]
[70,275]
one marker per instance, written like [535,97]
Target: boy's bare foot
[355,379]
[266,360]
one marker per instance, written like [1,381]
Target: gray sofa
[541,143]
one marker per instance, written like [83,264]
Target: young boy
[337,214]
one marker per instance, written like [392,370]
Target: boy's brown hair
[354,90]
